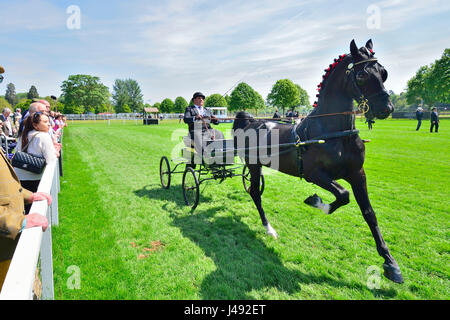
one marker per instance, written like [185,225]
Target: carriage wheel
[164,172]
[191,188]
[246,181]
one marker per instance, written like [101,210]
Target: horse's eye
[361,77]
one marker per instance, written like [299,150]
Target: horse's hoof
[313,201]
[271,231]
[393,273]
[316,202]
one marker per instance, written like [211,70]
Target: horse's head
[367,77]
[241,120]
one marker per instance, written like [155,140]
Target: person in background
[419,116]
[17,117]
[276,115]
[434,120]
[369,122]
[8,127]
[35,140]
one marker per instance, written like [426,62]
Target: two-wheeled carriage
[218,164]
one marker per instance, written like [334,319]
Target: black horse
[355,76]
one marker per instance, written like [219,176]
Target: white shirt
[42,146]
[201,110]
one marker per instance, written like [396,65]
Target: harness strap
[337,134]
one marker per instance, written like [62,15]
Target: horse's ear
[369,44]
[353,49]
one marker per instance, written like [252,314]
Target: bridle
[363,102]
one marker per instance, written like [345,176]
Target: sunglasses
[37,115]
[1,78]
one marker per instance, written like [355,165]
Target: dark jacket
[12,197]
[434,116]
[419,115]
[189,118]
[276,115]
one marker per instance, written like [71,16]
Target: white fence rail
[34,244]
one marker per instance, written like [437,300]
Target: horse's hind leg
[255,178]
[359,186]
[322,179]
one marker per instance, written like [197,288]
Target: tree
[23,104]
[399,101]
[439,79]
[10,94]
[215,100]
[416,89]
[157,105]
[167,106]
[304,98]
[180,105]
[431,84]
[83,93]
[127,92]
[126,109]
[284,94]
[243,97]
[32,93]
[259,103]
[4,104]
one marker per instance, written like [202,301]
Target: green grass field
[131,239]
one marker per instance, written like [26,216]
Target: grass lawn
[131,239]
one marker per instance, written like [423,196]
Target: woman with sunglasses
[37,141]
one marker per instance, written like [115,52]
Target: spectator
[434,120]
[36,141]
[17,117]
[12,220]
[34,107]
[369,122]
[8,127]
[419,116]
[276,115]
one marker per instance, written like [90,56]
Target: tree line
[87,94]
[429,87]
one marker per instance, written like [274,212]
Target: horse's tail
[242,119]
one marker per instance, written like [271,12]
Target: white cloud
[30,15]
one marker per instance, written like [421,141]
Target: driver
[199,120]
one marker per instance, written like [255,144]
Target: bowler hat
[198,94]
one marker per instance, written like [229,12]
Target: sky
[174,48]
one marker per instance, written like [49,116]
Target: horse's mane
[328,71]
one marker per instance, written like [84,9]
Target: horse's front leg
[323,180]
[255,178]
[359,186]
